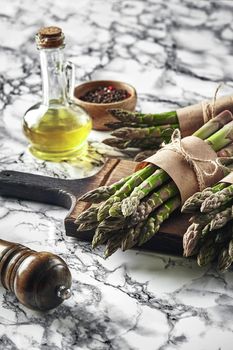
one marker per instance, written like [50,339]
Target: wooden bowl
[99,111]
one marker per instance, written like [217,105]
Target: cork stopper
[50,37]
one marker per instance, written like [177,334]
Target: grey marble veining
[175,53]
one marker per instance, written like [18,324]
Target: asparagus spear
[194,202]
[224,260]
[113,244]
[104,231]
[86,226]
[126,189]
[128,136]
[207,252]
[217,199]
[230,248]
[157,218]
[144,230]
[130,204]
[213,125]
[196,231]
[222,137]
[148,228]
[211,245]
[149,143]
[143,133]
[223,235]
[131,238]
[144,154]
[221,218]
[119,125]
[152,202]
[89,215]
[210,249]
[104,192]
[149,119]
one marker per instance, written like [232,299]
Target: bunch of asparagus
[131,211]
[143,131]
[210,234]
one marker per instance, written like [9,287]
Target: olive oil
[58,133]
[56,128]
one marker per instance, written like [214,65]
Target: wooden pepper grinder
[39,280]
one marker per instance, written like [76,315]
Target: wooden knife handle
[39,280]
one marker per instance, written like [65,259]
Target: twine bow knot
[194,162]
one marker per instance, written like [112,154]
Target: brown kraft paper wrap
[191,118]
[228,179]
[181,172]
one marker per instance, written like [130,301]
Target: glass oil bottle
[56,128]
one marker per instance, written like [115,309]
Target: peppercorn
[105,94]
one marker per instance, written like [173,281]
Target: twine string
[223,162]
[213,105]
[194,162]
[209,108]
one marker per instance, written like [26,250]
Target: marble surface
[174,53]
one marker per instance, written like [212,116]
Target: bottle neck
[53,76]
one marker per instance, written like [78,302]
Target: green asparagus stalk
[230,247]
[104,231]
[87,226]
[212,243]
[129,136]
[131,238]
[149,143]
[157,218]
[89,215]
[149,204]
[104,192]
[130,204]
[217,199]
[213,125]
[143,133]
[113,244]
[194,202]
[191,238]
[125,190]
[224,260]
[207,252]
[200,226]
[141,118]
[224,234]
[145,154]
[221,218]
[144,208]
[222,137]
[119,125]
[143,231]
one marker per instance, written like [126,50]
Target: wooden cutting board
[65,193]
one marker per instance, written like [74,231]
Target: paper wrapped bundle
[148,131]
[132,210]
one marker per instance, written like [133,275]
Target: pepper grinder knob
[40,280]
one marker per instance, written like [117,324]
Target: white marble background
[175,53]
